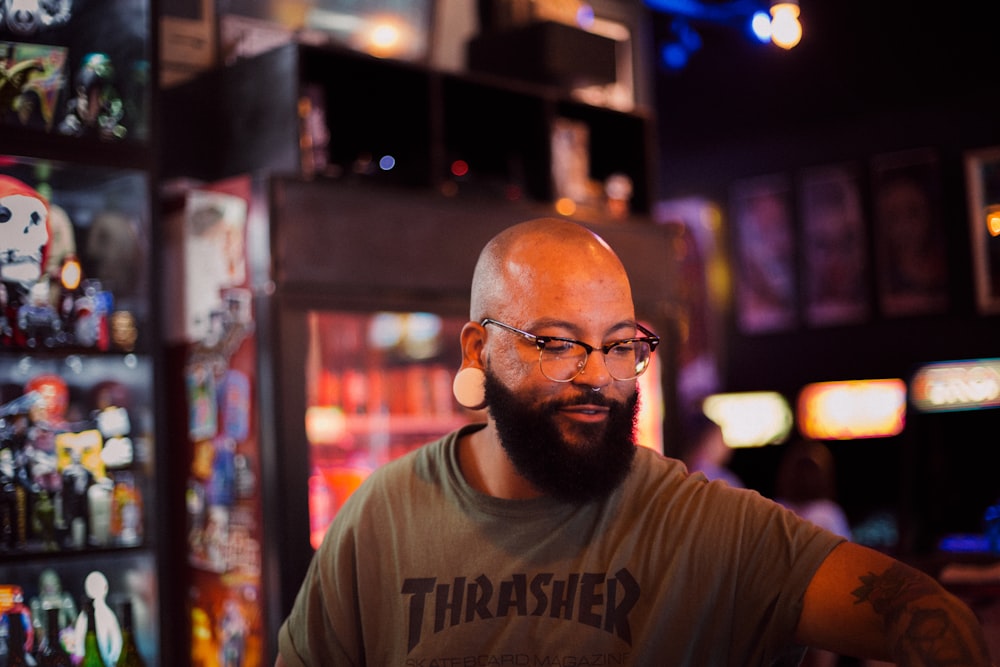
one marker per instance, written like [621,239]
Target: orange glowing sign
[993,220]
[956,385]
[852,409]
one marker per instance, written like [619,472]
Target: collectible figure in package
[31,80]
[96,107]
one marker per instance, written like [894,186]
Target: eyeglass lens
[562,361]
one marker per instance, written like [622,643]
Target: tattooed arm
[865,604]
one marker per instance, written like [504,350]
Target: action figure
[24,237]
[38,320]
[52,596]
[96,107]
[13,504]
[76,482]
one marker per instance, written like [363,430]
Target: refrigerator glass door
[378,385]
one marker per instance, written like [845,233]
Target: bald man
[544,536]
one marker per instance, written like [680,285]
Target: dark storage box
[547,52]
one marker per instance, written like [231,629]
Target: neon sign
[956,385]
[852,409]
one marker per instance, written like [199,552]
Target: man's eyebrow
[575,329]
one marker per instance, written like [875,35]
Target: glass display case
[78,477]
[74,69]
[78,327]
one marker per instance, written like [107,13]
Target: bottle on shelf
[50,651]
[129,656]
[91,649]
[16,656]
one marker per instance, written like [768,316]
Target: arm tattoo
[926,635]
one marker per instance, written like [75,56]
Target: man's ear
[469,386]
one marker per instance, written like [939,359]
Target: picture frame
[982,173]
[765,247]
[911,261]
[835,262]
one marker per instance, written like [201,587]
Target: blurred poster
[982,173]
[214,259]
[215,365]
[766,288]
[701,303]
[911,260]
[834,240]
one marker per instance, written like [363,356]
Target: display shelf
[325,111]
[79,474]
[67,581]
[42,145]
[370,109]
[501,134]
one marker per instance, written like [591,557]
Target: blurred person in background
[807,484]
[708,453]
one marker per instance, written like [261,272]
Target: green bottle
[50,652]
[91,649]
[130,656]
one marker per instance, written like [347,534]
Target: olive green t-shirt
[420,569]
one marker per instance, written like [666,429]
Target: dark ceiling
[856,57]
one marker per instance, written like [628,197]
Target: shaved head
[553,278]
[546,253]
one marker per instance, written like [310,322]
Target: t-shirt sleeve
[316,632]
[781,555]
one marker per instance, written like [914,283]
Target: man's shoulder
[432,457]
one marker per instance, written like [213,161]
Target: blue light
[674,55]
[387,162]
[760,26]
[684,41]
[690,39]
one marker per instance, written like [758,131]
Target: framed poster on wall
[761,210]
[911,254]
[834,246]
[982,172]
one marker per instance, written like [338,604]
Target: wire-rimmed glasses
[562,359]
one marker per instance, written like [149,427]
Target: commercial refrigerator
[370,289]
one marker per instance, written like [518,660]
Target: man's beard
[580,472]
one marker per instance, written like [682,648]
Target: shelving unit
[248,119]
[78,370]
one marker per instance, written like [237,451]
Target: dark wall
[868,78]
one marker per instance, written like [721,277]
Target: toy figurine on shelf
[52,595]
[96,108]
[100,621]
[38,320]
[16,78]
[90,314]
[17,618]
[76,482]
[24,236]
[13,504]
[43,520]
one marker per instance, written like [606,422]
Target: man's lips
[585,412]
